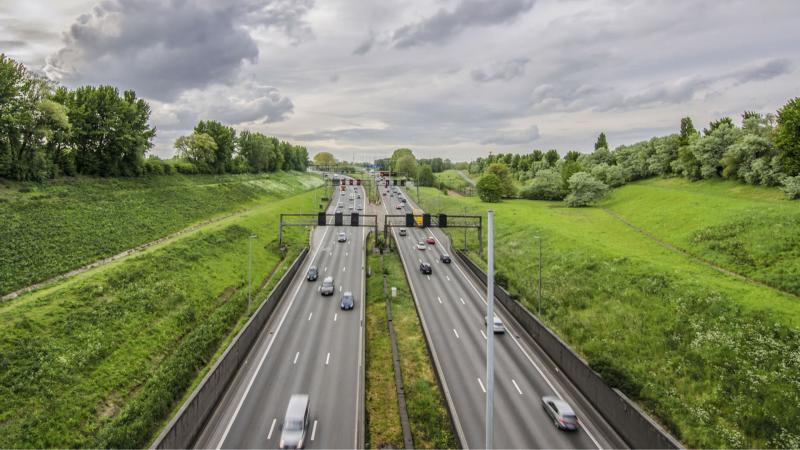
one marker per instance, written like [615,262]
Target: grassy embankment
[102,359]
[453,181]
[51,228]
[427,413]
[713,357]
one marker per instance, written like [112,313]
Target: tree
[490,188]
[739,160]
[200,149]
[551,157]
[255,151]
[709,150]
[601,141]
[584,190]
[407,164]
[791,186]
[502,172]
[110,133]
[787,136]
[665,152]
[546,185]
[324,159]
[568,169]
[224,137]
[610,175]
[425,175]
[397,155]
[716,124]
[687,131]
[572,155]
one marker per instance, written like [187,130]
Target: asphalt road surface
[452,308]
[308,346]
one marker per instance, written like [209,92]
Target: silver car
[295,423]
[497,326]
[421,246]
[562,414]
[342,237]
[327,286]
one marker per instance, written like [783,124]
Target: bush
[546,185]
[186,168]
[791,186]
[490,188]
[585,189]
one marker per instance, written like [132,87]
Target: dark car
[445,259]
[562,414]
[348,301]
[312,274]
[425,268]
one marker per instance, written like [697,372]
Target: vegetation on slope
[711,356]
[49,229]
[102,359]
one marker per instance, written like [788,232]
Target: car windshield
[294,425]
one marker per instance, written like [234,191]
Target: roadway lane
[308,346]
[453,308]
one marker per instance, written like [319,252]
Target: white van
[295,423]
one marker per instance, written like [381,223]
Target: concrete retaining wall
[183,428]
[635,427]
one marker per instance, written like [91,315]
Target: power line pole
[250,270]
[490,334]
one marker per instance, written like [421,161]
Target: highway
[308,346]
[452,308]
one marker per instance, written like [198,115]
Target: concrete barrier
[633,425]
[183,428]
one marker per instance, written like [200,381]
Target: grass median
[427,412]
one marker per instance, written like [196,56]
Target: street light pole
[465,229]
[490,334]
[539,238]
[250,270]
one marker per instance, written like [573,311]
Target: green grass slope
[102,359]
[751,230]
[452,180]
[51,228]
[713,357]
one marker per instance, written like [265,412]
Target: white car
[421,246]
[497,326]
[342,237]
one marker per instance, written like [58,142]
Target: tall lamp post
[490,333]
[250,269]
[465,229]
[539,238]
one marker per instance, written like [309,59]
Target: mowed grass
[452,180]
[51,228]
[751,230]
[714,358]
[102,359]
[427,414]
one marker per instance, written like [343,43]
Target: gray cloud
[11,44]
[365,46]
[443,25]
[761,72]
[514,137]
[506,71]
[161,48]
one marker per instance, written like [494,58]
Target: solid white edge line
[271,428]
[538,369]
[269,346]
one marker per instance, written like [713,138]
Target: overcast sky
[450,78]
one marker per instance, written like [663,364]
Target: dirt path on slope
[693,257]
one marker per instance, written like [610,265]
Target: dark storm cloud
[444,25]
[514,137]
[507,71]
[765,71]
[161,48]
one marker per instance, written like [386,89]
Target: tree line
[47,131]
[765,151]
